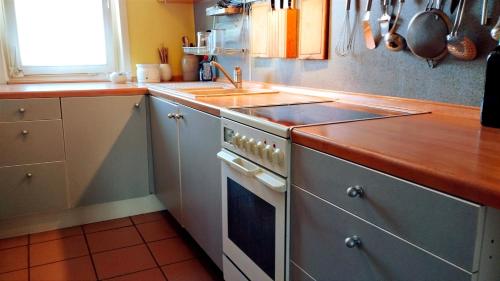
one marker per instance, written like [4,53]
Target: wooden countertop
[49,90]
[447,153]
[446,150]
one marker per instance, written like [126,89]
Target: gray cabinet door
[106,148]
[318,246]
[165,149]
[199,135]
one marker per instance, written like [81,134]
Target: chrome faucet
[236,80]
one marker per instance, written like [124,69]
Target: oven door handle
[238,163]
[271,181]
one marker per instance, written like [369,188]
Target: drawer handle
[22,110]
[137,105]
[355,191]
[25,132]
[29,175]
[352,242]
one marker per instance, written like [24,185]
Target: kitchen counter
[49,90]
[448,153]
[446,150]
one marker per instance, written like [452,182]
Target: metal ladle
[461,47]
[394,41]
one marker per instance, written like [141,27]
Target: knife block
[273,33]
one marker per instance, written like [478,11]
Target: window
[58,37]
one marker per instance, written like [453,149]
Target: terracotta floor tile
[57,250]
[171,250]
[149,217]
[188,271]
[20,275]
[79,269]
[107,225]
[13,242]
[154,274]
[55,234]
[13,259]
[122,261]
[113,239]
[156,230]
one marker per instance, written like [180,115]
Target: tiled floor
[147,247]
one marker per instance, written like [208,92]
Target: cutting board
[259,29]
[313,29]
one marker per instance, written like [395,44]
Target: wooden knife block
[273,33]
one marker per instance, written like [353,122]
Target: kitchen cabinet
[199,135]
[165,149]
[106,143]
[405,231]
[187,171]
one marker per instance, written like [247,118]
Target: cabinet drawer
[32,188]
[318,245]
[31,142]
[446,226]
[29,109]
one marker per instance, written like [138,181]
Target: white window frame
[13,48]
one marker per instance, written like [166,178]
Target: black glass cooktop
[314,113]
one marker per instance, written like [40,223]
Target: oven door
[253,218]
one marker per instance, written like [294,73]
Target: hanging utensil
[427,33]
[394,41]
[461,47]
[484,13]
[495,31]
[367,29]
[344,45]
[385,18]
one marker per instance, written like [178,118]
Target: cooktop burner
[314,113]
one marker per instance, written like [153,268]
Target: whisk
[345,43]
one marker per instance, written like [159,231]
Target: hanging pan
[427,33]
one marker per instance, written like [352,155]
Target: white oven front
[253,218]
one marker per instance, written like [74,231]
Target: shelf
[203,51]
[218,11]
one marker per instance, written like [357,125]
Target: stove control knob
[250,145]
[259,149]
[243,142]
[236,139]
[268,152]
[277,156]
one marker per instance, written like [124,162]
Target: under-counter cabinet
[32,167]
[348,222]
[106,142]
[187,171]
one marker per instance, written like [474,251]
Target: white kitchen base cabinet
[165,150]
[187,171]
[106,148]
[199,135]
[349,222]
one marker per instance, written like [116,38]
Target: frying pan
[427,33]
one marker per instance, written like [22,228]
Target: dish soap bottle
[490,108]
[205,70]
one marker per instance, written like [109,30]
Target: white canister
[148,73]
[165,72]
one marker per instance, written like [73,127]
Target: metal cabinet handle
[29,175]
[24,132]
[355,191]
[352,242]
[22,110]
[137,105]
[178,116]
[170,115]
